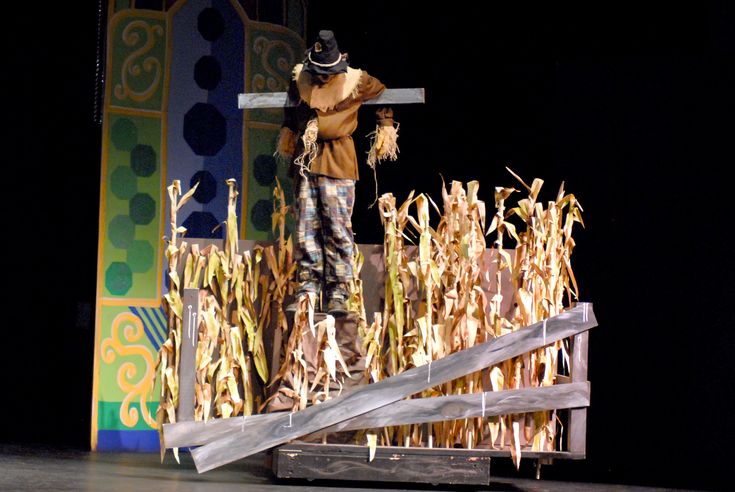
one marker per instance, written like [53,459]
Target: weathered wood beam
[268,434]
[187,367]
[188,434]
[578,417]
[415,411]
[262,100]
[453,407]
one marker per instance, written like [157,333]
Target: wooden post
[187,369]
[578,416]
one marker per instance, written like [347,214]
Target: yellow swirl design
[126,374]
[131,67]
[276,79]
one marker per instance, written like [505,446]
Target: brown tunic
[335,104]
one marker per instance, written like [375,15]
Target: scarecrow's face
[320,79]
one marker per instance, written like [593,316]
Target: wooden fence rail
[266,433]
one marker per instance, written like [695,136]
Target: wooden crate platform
[391,464]
[447,466]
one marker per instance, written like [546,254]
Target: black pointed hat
[324,57]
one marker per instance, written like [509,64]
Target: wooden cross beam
[455,407]
[272,432]
[403,412]
[261,100]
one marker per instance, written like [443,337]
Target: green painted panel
[138,47]
[132,208]
[272,53]
[109,416]
[259,197]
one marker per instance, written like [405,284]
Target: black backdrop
[631,106]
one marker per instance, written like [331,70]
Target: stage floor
[43,468]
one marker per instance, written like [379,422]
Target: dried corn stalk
[436,302]
[229,328]
[228,321]
[278,285]
[541,275]
[398,281]
[167,366]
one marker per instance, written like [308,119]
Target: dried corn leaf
[372,442]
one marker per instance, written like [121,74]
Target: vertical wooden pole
[578,416]
[187,368]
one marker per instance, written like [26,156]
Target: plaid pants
[323,210]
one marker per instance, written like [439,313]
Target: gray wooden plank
[363,399]
[415,411]
[189,338]
[188,434]
[258,100]
[399,96]
[578,417]
[455,407]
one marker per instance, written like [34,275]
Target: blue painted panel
[188,46]
[205,126]
[229,51]
[129,440]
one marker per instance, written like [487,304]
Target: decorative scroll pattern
[139,33]
[271,53]
[137,60]
[275,58]
[128,380]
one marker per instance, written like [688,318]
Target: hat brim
[340,67]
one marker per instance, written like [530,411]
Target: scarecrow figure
[316,138]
